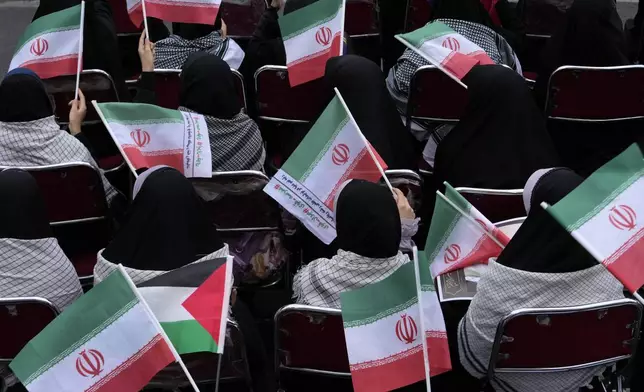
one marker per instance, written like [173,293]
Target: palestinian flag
[446,49]
[182,11]
[191,303]
[333,151]
[454,242]
[105,341]
[149,135]
[606,215]
[50,45]
[312,35]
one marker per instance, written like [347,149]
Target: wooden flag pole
[145,20]
[79,66]
[366,142]
[419,291]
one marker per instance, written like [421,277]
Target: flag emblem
[323,36]
[340,154]
[452,43]
[141,138]
[623,217]
[452,253]
[39,47]
[90,363]
[406,329]
[480,222]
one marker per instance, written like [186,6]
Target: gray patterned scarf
[172,52]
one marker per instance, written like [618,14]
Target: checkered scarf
[172,52]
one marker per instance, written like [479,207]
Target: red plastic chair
[417,15]
[124,25]
[559,339]
[241,16]
[361,18]
[596,94]
[21,319]
[496,204]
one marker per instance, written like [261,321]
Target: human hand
[277,4]
[77,113]
[224,29]
[146,53]
[405,210]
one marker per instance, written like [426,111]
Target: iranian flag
[456,240]
[333,152]
[446,49]
[149,135]
[605,214]
[312,35]
[105,341]
[182,11]
[191,303]
[51,44]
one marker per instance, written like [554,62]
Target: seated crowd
[502,141]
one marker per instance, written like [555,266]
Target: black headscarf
[362,85]
[542,244]
[192,31]
[208,87]
[501,139]
[166,227]
[23,214]
[367,220]
[467,10]
[23,97]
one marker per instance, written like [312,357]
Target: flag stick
[366,142]
[116,141]
[80,50]
[593,252]
[159,327]
[434,62]
[221,358]
[419,292]
[469,218]
[344,13]
[145,20]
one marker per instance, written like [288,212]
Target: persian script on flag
[149,135]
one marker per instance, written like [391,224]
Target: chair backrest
[559,339]
[592,94]
[426,103]
[122,22]
[510,226]
[361,18]
[241,16]
[310,339]
[417,14]
[278,101]
[410,183]
[541,18]
[21,319]
[496,204]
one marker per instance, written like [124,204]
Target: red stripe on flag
[140,160]
[54,67]
[459,64]
[439,359]
[480,254]
[626,263]
[312,67]
[183,12]
[387,375]
[136,14]
[138,370]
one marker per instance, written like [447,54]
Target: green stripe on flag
[67,19]
[308,18]
[381,299]
[138,113]
[430,31]
[188,336]
[317,141]
[600,189]
[444,221]
[81,321]
[457,198]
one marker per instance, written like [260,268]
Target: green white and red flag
[148,135]
[107,340]
[605,214]
[51,45]
[451,52]
[333,152]
[312,35]
[191,303]
[459,235]
[181,11]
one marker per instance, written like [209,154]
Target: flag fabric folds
[312,35]
[605,214]
[105,341]
[191,303]
[182,11]
[50,44]
[333,151]
[149,135]
[446,49]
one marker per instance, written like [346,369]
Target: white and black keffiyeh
[172,52]
[42,142]
[502,290]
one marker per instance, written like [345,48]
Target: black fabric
[157,29]
[192,31]
[166,227]
[23,214]
[362,85]
[501,138]
[208,87]
[542,244]
[367,220]
[23,97]
[468,10]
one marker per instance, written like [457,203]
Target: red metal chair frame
[473,195]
